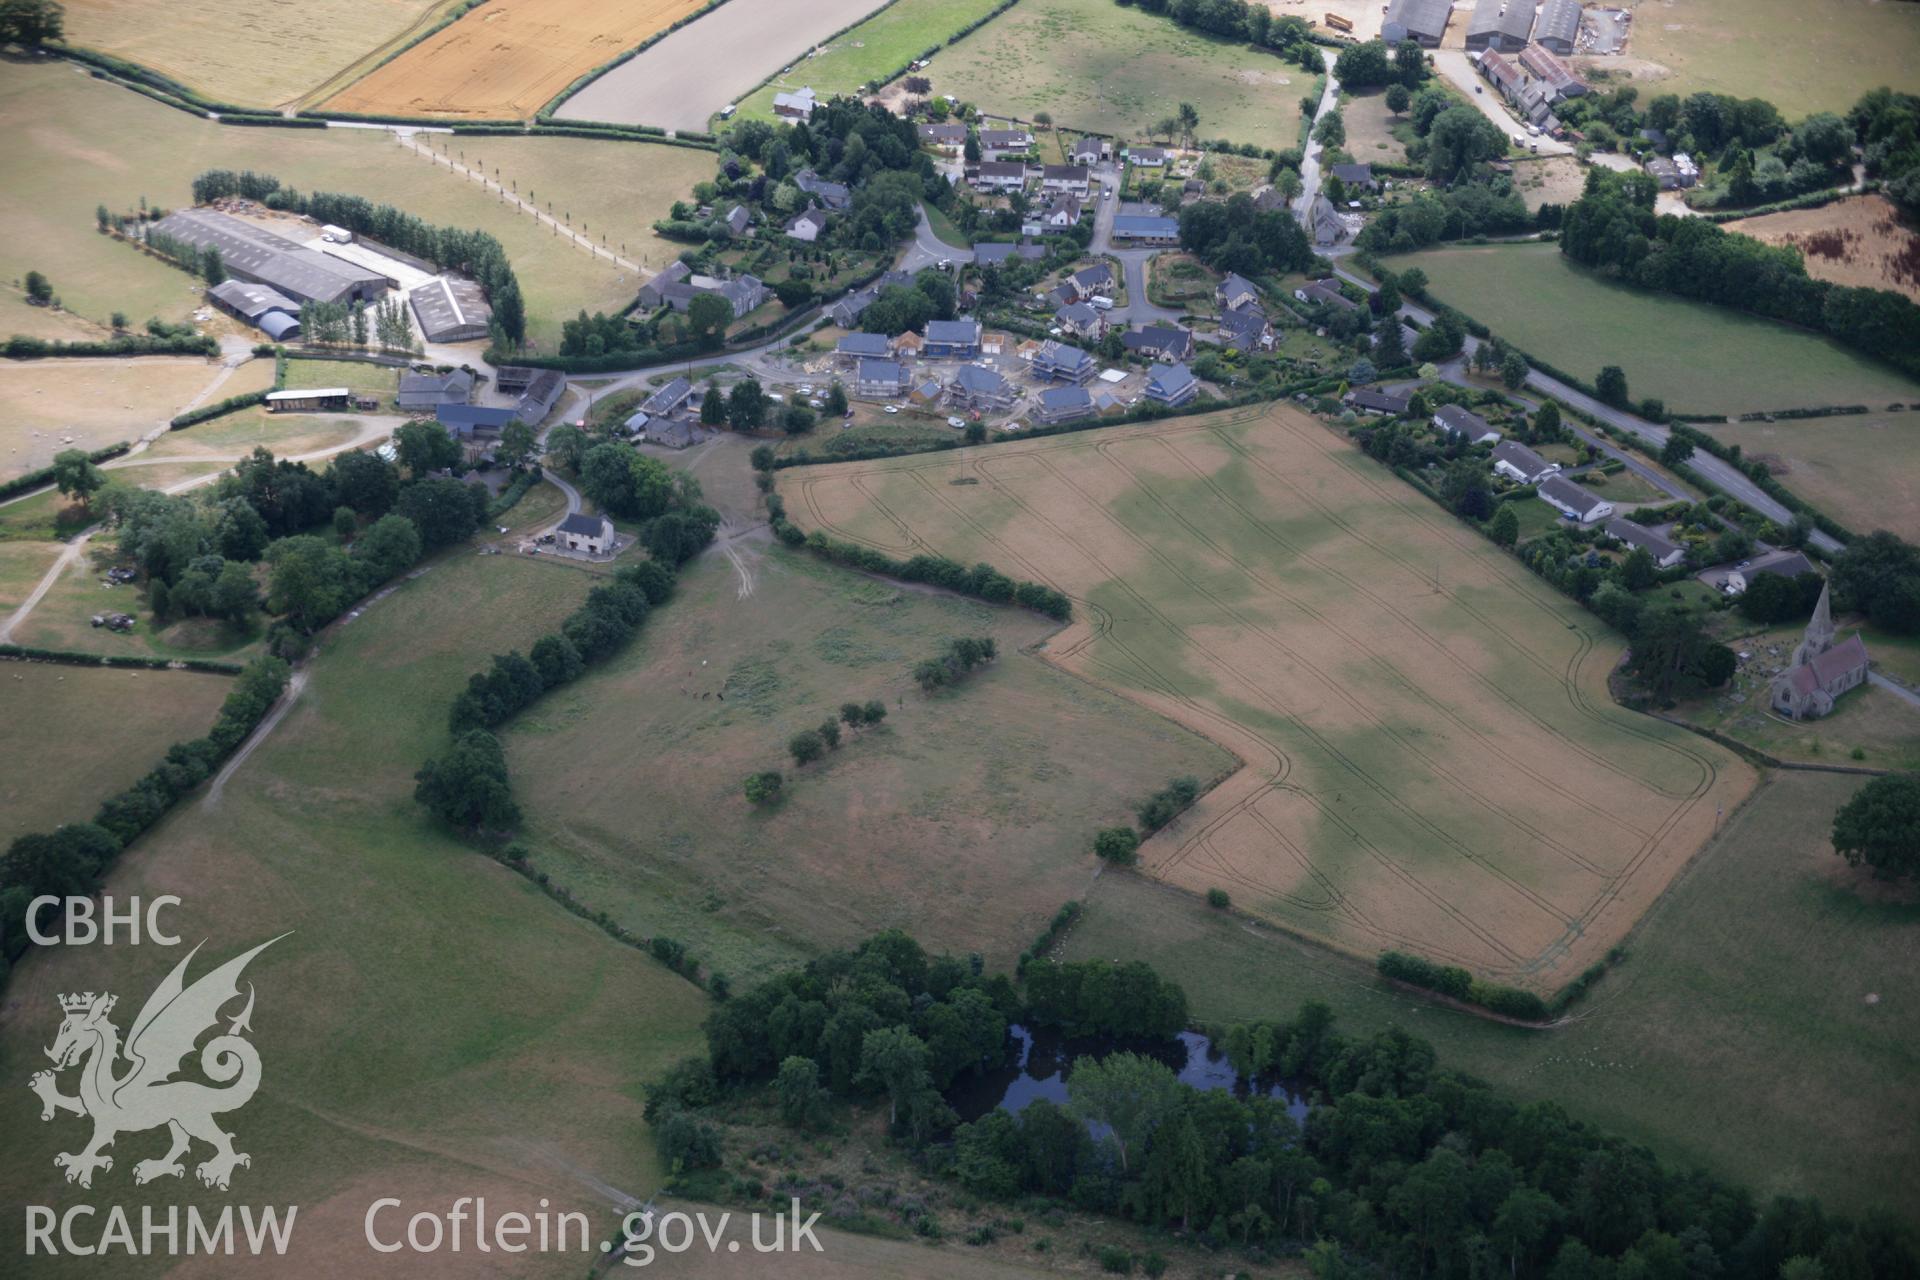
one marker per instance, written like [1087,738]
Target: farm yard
[1101,68]
[878,47]
[1862,469]
[507,58]
[132,146]
[50,405]
[250,54]
[1858,241]
[1708,1005]
[987,794]
[1376,688]
[1773,48]
[58,716]
[1727,362]
[402,1056]
[683,80]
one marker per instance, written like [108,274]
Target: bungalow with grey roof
[1088,151]
[431,390]
[945,134]
[795,106]
[1147,157]
[1162,342]
[1062,215]
[1520,464]
[738,219]
[988,254]
[1355,176]
[669,399]
[1368,400]
[1464,424]
[1666,554]
[1324,293]
[847,312]
[997,144]
[1171,384]
[1577,501]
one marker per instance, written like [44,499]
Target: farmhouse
[268,310]
[1079,319]
[1665,554]
[1500,24]
[1171,384]
[1558,25]
[431,390]
[1064,179]
[806,227]
[997,144]
[1146,229]
[1574,500]
[1422,21]
[743,293]
[980,389]
[653,294]
[1235,292]
[1064,404]
[882,380]
[1159,342]
[1147,157]
[451,309]
[988,254]
[1369,401]
[795,106]
[1246,330]
[1522,465]
[948,135]
[310,398]
[582,532]
[863,346]
[668,400]
[541,394]
[1059,362]
[1325,293]
[465,421]
[834,195]
[1355,176]
[1464,424]
[673,433]
[1000,175]
[1821,670]
[254,254]
[952,339]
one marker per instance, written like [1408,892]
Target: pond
[1042,1060]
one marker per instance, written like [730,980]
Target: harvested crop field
[256,55]
[54,718]
[508,58]
[1391,681]
[682,81]
[1862,469]
[50,405]
[1857,241]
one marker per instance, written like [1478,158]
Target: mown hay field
[433,1026]
[256,55]
[1708,1006]
[1432,762]
[1862,469]
[683,80]
[69,143]
[1858,241]
[507,58]
[1098,67]
[987,794]
[1697,357]
[878,47]
[50,405]
[75,735]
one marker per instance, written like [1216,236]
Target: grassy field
[987,795]
[22,565]
[1370,128]
[60,721]
[1104,69]
[1769,48]
[1391,690]
[1709,1006]
[17,315]
[1728,362]
[50,405]
[508,58]
[877,47]
[129,146]
[63,619]
[285,434]
[254,55]
[1862,469]
[433,1026]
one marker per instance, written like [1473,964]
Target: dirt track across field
[1432,762]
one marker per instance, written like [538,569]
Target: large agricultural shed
[258,255]
[261,306]
[451,309]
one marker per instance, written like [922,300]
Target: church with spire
[1821,670]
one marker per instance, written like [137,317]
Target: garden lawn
[1697,357]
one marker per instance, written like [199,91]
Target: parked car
[956,423]
[891,408]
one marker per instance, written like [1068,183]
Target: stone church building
[1821,670]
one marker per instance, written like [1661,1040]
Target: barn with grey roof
[260,256]
[1422,21]
[451,309]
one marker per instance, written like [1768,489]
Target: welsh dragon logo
[144,1094]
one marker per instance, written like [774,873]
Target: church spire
[1819,637]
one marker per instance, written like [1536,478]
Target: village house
[1061,362]
[1080,320]
[806,227]
[1062,215]
[1640,538]
[1786,564]
[1576,501]
[1064,179]
[952,340]
[945,135]
[1464,424]
[669,399]
[1089,151]
[1064,404]
[582,532]
[539,396]
[1235,292]
[1355,177]
[1821,670]
[653,294]
[998,144]
[1520,464]
[795,106]
[1089,282]
[991,254]
[881,380]
[1246,329]
[1325,293]
[1369,401]
[854,347]
[738,220]
[1328,229]
[1166,343]
[847,311]
[1422,21]
[1171,384]
[1000,175]
[1147,157]
[980,390]
[833,195]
